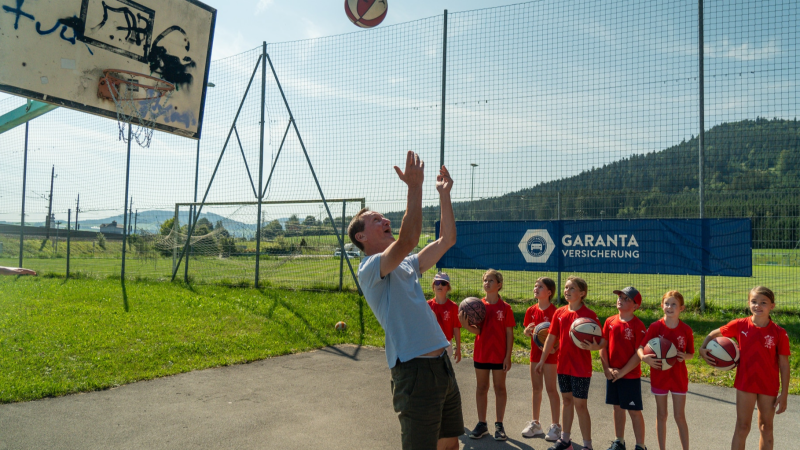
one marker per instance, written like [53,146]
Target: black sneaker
[480,431]
[499,432]
[561,445]
[617,445]
[639,447]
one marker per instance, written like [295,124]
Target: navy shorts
[625,393]
[487,366]
[577,386]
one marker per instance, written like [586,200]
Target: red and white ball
[366,13]
[585,331]
[663,350]
[724,352]
[340,326]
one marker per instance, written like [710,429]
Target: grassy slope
[59,337]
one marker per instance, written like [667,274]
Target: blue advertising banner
[646,246]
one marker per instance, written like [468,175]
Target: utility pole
[58,225]
[130,214]
[135,220]
[50,206]
[77,210]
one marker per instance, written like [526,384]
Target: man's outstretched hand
[16,271]
[443,181]
[414,174]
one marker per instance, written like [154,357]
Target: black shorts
[577,386]
[427,401]
[487,366]
[625,393]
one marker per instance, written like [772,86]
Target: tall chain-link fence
[541,111]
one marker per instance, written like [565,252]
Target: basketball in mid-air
[474,309]
[663,350]
[585,330]
[724,352]
[340,326]
[366,13]
[540,334]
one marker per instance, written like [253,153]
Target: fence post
[444,86]
[261,155]
[125,212]
[343,255]
[175,245]
[700,149]
[24,177]
[69,229]
[189,252]
[558,217]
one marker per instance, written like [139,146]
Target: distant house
[112,227]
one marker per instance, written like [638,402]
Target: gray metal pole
[444,87]
[50,204]
[700,149]
[125,212]
[558,286]
[188,255]
[69,222]
[343,255]
[191,210]
[261,154]
[24,179]
[174,245]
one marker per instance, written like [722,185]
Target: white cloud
[263,5]
[744,51]
[229,43]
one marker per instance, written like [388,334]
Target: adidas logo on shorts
[632,404]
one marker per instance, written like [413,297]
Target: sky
[535,92]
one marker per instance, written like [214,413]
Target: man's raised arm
[431,254]
[411,227]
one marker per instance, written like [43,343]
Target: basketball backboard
[56,50]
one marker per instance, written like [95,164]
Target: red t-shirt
[675,379]
[446,315]
[571,359]
[623,341]
[490,345]
[758,370]
[535,316]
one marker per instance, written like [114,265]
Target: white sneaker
[554,433]
[533,429]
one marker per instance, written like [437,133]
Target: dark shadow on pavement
[125,297]
[645,380]
[488,442]
[341,352]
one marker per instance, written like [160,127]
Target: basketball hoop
[139,100]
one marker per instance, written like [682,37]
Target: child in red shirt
[762,378]
[675,379]
[574,363]
[542,312]
[622,368]
[446,312]
[492,356]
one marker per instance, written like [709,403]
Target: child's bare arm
[457,352]
[703,351]
[604,360]
[650,360]
[509,346]
[462,317]
[630,365]
[780,401]
[549,343]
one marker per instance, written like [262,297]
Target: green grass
[64,336]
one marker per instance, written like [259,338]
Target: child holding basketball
[574,362]
[676,378]
[540,313]
[622,368]
[762,378]
[446,312]
[492,355]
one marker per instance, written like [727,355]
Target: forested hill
[751,154]
[751,169]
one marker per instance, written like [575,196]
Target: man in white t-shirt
[427,401]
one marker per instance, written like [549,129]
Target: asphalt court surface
[332,398]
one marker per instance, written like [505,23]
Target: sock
[587,444]
[621,440]
[564,436]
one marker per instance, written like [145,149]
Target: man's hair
[357,226]
[549,284]
[765,291]
[581,284]
[497,276]
[674,294]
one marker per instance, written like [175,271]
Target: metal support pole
[69,223]
[343,255]
[175,247]
[125,213]
[261,155]
[24,179]
[50,204]
[310,166]
[444,87]
[701,156]
[188,255]
[558,286]
[77,210]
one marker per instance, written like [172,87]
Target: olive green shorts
[427,401]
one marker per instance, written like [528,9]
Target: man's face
[377,234]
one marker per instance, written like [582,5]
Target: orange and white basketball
[366,13]
[340,326]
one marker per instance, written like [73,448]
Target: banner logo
[536,246]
